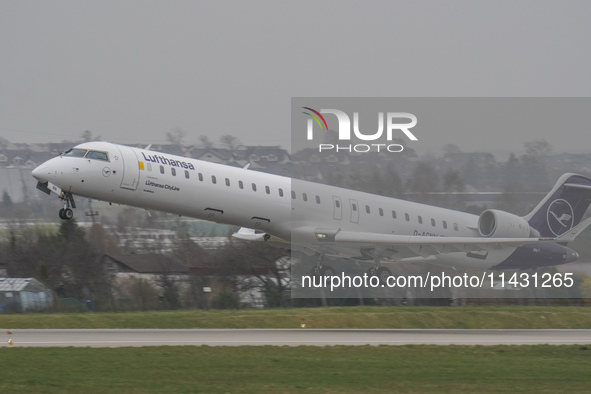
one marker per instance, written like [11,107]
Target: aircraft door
[354,207]
[131,168]
[337,208]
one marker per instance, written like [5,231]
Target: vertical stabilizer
[563,207]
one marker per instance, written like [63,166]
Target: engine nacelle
[501,224]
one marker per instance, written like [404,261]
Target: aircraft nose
[40,173]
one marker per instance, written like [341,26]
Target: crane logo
[560,216]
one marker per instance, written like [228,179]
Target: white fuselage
[277,205]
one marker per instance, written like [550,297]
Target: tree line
[71,262]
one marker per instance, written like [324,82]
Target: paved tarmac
[291,337]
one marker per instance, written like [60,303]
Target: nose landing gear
[66,212]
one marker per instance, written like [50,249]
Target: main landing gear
[381,272]
[66,212]
[323,270]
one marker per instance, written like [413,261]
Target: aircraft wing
[405,246]
[423,246]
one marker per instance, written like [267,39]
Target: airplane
[321,220]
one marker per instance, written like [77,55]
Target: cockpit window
[93,154]
[75,152]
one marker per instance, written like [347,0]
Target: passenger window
[407,217]
[268,189]
[444,224]
[420,220]
[213,180]
[280,192]
[354,206]
[337,203]
[149,166]
[240,184]
[305,197]
[254,187]
[393,214]
[187,174]
[293,195]
[227,182]
[162,169]
[200,175]
[381,212]
[432,222]
[317,199]
[367,209]
[173,171]
[455,227]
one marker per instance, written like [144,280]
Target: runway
[291,337]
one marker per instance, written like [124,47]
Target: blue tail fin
[563,207]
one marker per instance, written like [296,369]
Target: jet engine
[501,224]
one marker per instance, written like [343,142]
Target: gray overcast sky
[130,71]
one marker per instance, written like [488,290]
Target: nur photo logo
[391,125]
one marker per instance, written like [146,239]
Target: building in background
[24,295]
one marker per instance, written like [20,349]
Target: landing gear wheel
[68,214]
[327,270]
[383,274]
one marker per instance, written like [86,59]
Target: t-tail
[563,208]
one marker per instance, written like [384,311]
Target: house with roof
[265,156]
[213,155]
[24,295]
[146,278]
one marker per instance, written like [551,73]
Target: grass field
[338,369]
[334,317]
